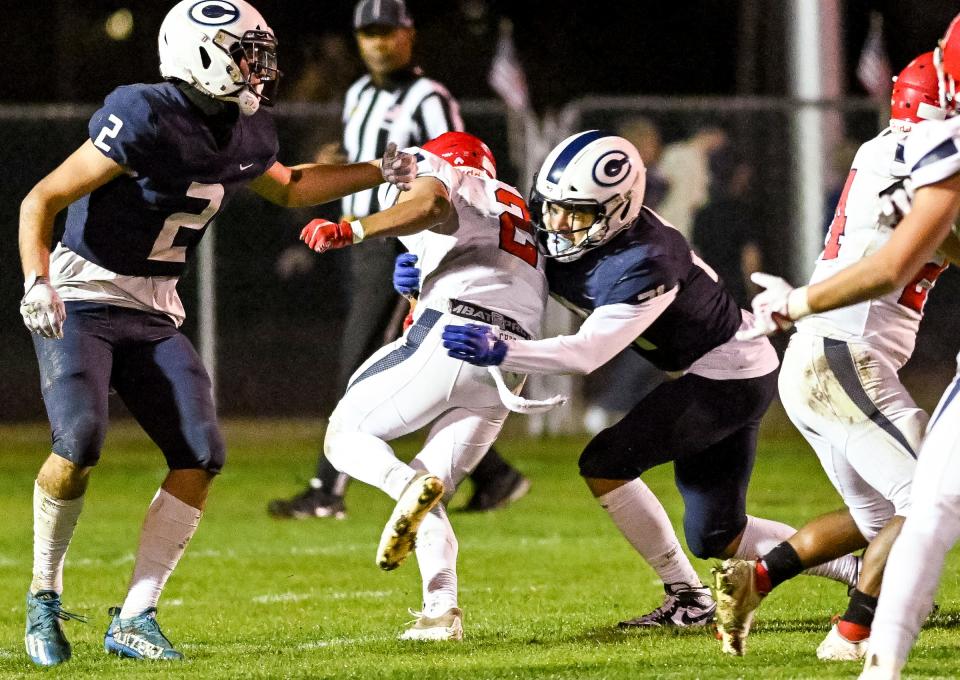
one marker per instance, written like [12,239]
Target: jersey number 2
[516,232]
[163,249]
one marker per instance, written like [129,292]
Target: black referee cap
[382,12]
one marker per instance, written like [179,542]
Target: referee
[393,102]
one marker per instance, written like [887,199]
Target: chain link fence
[279,308]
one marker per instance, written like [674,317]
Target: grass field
[543,583]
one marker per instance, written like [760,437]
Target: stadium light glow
[119,25]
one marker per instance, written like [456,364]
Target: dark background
[278,334]
[569,48]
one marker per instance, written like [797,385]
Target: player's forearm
[607,331]
[914,243]
[314,184]
[409,217]
[36,233]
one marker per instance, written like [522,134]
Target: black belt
[474,312]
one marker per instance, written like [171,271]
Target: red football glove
[321,235]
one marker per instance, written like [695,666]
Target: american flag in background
[506,75]
[873,69]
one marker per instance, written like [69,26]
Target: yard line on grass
[336,595]
[335,642]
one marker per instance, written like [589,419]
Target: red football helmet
[947,60]
[916,92]
[464,152]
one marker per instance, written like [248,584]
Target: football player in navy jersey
[635,282]
[161,161]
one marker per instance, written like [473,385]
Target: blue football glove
[477,345]
[406,275]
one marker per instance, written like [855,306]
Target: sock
[490,467]
[329,478]
[369,459]
[644,523]
[761,536]
[781,564]
[437,558]
[54,521]
[168,527]
[859,613]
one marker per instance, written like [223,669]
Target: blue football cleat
[139,637]
[44,639]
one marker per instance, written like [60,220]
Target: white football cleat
[399,536]
[737,596]
[447,626]
[880,668]
[835,647]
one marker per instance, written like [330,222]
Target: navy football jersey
[147,221]
[646,259]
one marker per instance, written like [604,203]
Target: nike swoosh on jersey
[244,167]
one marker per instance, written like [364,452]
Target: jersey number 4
[831,248]
[516,231]
[914,296]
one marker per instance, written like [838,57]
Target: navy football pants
[153,368]
[708,428]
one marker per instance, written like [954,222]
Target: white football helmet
[597,177]
[203,42]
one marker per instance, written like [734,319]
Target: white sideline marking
[336,595]
[336,642]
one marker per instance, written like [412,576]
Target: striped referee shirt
[409,110]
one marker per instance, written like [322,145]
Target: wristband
[31,280]
[357,230]
[798,303]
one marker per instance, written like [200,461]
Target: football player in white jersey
[932,157]
[477,253]
[839,386]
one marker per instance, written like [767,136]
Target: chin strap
[247,101]
[518,404]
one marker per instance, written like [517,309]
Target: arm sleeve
[607,331]
[125,128]
[933,156]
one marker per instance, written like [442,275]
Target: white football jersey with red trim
[889,323]
[485,252]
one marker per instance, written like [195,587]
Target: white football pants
[402,388]
[849,404]
[916,560]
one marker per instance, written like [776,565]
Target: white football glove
[42,309]
[895,205]
[776,308]
[398,167]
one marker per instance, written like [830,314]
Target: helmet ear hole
[205,60]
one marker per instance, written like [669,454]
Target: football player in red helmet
[932,156]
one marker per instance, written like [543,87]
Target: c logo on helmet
[611,168]
[214,12]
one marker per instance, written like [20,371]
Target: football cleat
[880,668]
[835,647]
[399,536]
[313,502]
[735,587]
[139,637]
[499,492]
[44,639]
[447,626]
[683,607]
